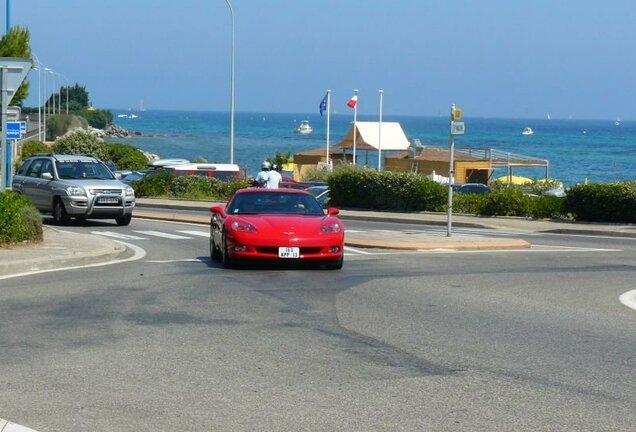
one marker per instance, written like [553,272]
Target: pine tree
[16,43]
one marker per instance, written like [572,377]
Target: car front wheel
[60,217]
[227,261]
[123,220]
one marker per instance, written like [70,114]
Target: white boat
[617,122]
[304,128]
[527,131]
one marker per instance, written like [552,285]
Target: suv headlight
[129,191]
[75,191]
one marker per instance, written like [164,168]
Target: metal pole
[451,175]
[355,120]
[39,67]
[231,88]
[380,134]
[44,112]
[3,124]
[8,16]
[328,120]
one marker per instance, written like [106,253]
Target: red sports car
[284,225]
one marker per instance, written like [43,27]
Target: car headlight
[331,227]
[242,226]
[75,191]
[129,191]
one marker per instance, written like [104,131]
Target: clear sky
[493,58]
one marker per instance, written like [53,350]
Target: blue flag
[323,105]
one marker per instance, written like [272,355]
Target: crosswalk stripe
[118,235]
[164,235]
[196,233]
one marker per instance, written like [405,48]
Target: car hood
[97,184]
[286,224]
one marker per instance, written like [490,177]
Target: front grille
[106,191]
[273,250]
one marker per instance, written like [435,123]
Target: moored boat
[304,128]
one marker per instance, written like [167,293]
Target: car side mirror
[332,211]
[118,176]
[220,209]
[47,176]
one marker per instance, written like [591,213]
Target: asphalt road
[531,340]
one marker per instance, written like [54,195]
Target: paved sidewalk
[62,248]
[59,249]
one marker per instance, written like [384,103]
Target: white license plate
[108,200]
[288,252]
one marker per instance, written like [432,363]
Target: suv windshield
[83,170]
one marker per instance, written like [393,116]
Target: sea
[577,150]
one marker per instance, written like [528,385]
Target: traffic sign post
[14,130]
[457,127]
[12,73]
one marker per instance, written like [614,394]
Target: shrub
[227,189]
[506,202]
[547,207]
[603,202]
[60,124]
[361,188]
[96,118]
[468,203]
[81,142]
[19,220]
[154,184]
[126,157]
[33,147]
[195,187]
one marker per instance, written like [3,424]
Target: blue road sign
[13,130]
[23,126]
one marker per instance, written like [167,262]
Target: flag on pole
[323,105]
[353,101]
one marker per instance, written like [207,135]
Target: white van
[223,172]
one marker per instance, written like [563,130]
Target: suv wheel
[123,220]
[60,217]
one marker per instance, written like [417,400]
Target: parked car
[321,193]
[74,186]
[471,188]
[280,225]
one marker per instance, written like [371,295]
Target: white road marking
[138,254]
[196,233]
[173,261]
[628,299]
[164,235]
[357,251]
[118,235]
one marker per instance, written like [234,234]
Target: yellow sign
[457,114]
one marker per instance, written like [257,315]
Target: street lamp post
[39,68]
[66,82]
[231,87]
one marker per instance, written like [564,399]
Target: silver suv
[74,186]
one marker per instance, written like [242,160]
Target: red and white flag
[353,101]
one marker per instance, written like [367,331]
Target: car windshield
[274,203]
[77,170]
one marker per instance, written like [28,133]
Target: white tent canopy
[368,136]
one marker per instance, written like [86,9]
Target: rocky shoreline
[114,131]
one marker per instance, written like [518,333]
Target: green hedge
[603,202]
[126,157]
[19,220]
[362,188]
[162,184]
